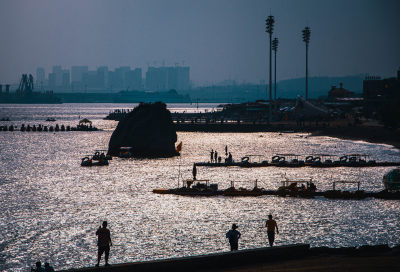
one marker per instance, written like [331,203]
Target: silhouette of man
[39,267]
[103,243]
[48,267]
[271,226]
[212,155]
[215,156]
[233,235]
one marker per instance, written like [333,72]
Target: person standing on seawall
[271,226]
[233,235]
[103,243]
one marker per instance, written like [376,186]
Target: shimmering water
[50,206]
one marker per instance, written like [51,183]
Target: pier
[296,257]
[210,261]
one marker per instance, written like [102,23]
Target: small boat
[192,187]
[391,180]
[50,119]
[339,194]
[89,160]
[290,187]
[100,153]
[232,191]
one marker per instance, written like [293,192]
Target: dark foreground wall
[211,261]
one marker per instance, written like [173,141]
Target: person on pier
[212,155]
[271,226]
[233,235]
[103,243]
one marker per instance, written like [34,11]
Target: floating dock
[296,165]
[330,194]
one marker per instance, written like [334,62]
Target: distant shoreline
[371,134]
[378,135]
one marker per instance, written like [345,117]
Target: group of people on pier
[39,268]
[214,158]
[233,235]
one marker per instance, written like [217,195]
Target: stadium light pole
[306,38]
[270,29]
[275,43]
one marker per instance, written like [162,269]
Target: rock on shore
[148,130]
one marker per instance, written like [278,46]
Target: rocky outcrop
[148,130]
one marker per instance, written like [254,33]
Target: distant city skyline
[219,40]
[81,78]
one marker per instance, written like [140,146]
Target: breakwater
[46,128]
[247,257]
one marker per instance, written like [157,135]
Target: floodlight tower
[270,29]
[275,43]
[306,38]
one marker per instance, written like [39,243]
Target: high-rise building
[40,77]
[134,79]
[90,80]
[52,81]
[77,76]
[102,77]
[166,78]
[65,79]
[58,73]
[117,79]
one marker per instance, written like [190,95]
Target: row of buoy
[55,128]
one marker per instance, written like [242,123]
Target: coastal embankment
[372,134]
[299,257]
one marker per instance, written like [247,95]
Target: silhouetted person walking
[233,235]
[215,156]
[271,226]
[212,155]
[103,243]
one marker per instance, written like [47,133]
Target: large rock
[148,129]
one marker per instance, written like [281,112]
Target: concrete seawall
[210,261]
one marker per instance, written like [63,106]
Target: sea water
[50,206]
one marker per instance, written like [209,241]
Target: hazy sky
[218,39]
